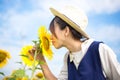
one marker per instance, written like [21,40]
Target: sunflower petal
[45,42]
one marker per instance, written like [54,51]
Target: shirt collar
[77,56]
[74,55]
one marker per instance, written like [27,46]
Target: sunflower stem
[24,67]
[33,66]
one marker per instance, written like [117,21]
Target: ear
[67,31]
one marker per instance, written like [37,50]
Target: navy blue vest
[89,67]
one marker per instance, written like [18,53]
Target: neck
[73,45]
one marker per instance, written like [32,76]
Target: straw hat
[74,17]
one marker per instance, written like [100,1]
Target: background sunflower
[4,56]
[27,58]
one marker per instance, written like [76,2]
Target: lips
[53,42]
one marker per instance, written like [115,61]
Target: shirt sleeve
[64,72]
[110,65]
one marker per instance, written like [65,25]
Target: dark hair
[62,24]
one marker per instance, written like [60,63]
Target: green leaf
[11,78]
[35,42]
[29,68]
[19,62]
[38,68]
[24,55]
[19,73]
[1,73]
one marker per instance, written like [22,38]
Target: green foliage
[1,73]
[24,55]
[19,73]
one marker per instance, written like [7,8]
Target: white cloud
[23,21]
[19,23]
[102,6]
[98,6]
[19,26]
[107,32]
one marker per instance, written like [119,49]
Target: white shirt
[110,65]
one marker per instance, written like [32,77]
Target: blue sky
[20,20]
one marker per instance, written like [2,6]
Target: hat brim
[70,22]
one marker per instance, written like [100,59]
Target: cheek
[57,31]
[59,34]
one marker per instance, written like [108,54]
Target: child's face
[58,40]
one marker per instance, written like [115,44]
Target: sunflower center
[39,75]
[2,57]
[45,43]
[30,57]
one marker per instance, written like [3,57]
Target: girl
[86,59]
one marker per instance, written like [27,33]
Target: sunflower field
[28,61]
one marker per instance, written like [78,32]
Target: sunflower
[45,42]
[39,75]
[4,56]
[27,58]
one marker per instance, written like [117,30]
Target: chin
[57,47]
